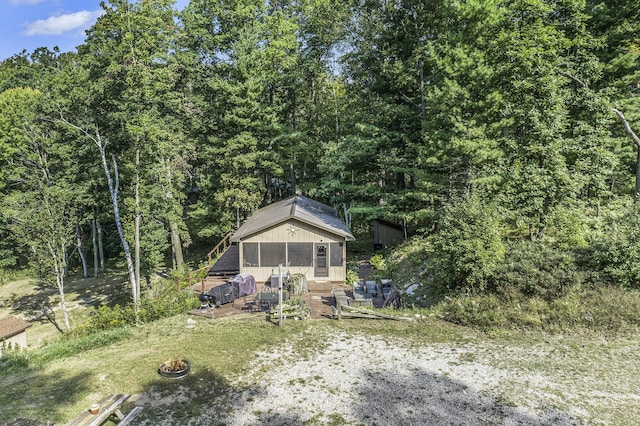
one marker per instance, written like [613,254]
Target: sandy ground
[366,380]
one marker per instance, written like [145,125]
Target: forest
[502,136]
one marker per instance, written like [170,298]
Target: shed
[304,235]
[13,331]
[386,233]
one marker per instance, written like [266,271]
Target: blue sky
[28,24]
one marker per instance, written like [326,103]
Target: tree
[41,205]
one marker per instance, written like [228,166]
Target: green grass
[64,376]
[57,390]
[220,350]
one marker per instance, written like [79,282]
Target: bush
[603,309]
[12,357]
[615,253]
[165,305]
[536,269]
[467,248]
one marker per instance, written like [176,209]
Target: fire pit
[174,368]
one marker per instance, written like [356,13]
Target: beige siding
[19,339]
[294,231]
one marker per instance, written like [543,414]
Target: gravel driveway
[373,380]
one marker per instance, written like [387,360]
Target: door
[322,260]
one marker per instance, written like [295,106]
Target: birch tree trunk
[59,266]
[636,140]
[94,244]
[100,244]
[137,224]
[113,191]
[83,259]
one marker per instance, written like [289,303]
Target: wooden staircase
[223,252]
[219,249]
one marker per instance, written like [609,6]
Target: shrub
[12,357]
[352,277]
[467,247]
[536,269]
[151,309]
[615,253]
[378,262]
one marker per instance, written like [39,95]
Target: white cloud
[57,25]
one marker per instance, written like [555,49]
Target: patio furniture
[371,288]
[108,407]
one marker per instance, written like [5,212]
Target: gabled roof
[297,207]
[11,326]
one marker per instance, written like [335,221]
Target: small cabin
[303,235]
[13,332]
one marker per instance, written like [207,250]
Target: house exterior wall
[19,339]
[294,231]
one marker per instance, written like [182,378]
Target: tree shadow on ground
[380,397]
[38,394]
[41,303]
[200,398]
[38,304]
[429,398]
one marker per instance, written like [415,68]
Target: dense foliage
[502,134]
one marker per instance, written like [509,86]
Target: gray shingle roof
[297,207]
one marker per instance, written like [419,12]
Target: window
[335,250]
[273,254]
[250,254]
[300,254]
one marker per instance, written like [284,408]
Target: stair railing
[220,248]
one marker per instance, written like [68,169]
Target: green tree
[41,204]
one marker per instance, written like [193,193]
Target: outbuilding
[13,332]
[305,236]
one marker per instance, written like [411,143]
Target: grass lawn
[593,377]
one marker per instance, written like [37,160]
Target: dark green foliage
[615,252]
[467,248]
[536,269]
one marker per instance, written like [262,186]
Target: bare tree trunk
[100,244]
[94,245]
[83,259]
[59,266]
[176,245]
[137,225]
[113,190]
[636,139]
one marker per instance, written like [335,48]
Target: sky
[29,24]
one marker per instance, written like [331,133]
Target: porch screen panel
[335,253]
[300,254]
[273,254]
[250,254]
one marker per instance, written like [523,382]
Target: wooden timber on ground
[346,311]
